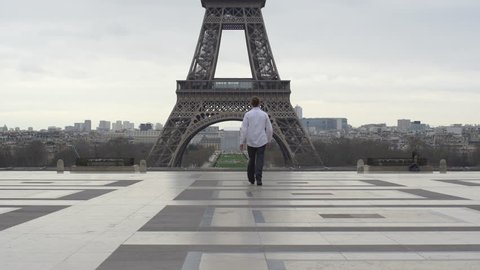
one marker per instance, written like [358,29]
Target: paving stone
[215,220]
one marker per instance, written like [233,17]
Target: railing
[95,162]
[395,161]
[233,85]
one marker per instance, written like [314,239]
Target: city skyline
[107,125]
[370,62]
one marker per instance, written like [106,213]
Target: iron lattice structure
[203,100]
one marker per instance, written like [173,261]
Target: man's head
[255,102]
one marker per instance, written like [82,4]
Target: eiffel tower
[203,100]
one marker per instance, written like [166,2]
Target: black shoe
[251,182]
[259,183]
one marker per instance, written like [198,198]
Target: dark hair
[255,101]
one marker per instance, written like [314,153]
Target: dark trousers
[256,156]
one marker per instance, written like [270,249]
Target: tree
[476,157]
[346,152]
[196,155]
[33,154]
[6,157]
[122,148]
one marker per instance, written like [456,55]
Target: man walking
[255,133]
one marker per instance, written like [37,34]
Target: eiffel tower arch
[203,100]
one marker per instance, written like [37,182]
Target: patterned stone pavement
[217,220]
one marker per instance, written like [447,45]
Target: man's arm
[243,132]
[269,129]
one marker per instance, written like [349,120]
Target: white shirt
[256,128]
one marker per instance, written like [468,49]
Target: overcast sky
[371,61]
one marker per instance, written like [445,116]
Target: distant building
[299,112]
[455,129]
[128,126]
[417,126]
[4,129]
[104,126]
[374,128]
[158,126]
[231,140]
[404,125]
[215,142]
[316,125]
[117,126]
[69,128]
[125,125]
[209,132]
[87,126]
[78,127]
[149,136]
[146,126]
[135,136]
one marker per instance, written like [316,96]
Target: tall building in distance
[417,126]
[231,140]
[404,124]
[208,132]
[299,111]
[145,126]
[78,127]
[128,126]
[318,125]
[117,126]
[87,125]
[125,125]
[104,126]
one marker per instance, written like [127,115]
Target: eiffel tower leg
[261,57]
[206,54]
[170,139]
[192,114]
[290,131]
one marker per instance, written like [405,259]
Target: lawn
[231,161]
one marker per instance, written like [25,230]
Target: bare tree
[33,154]
[196,155]
[6,157]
